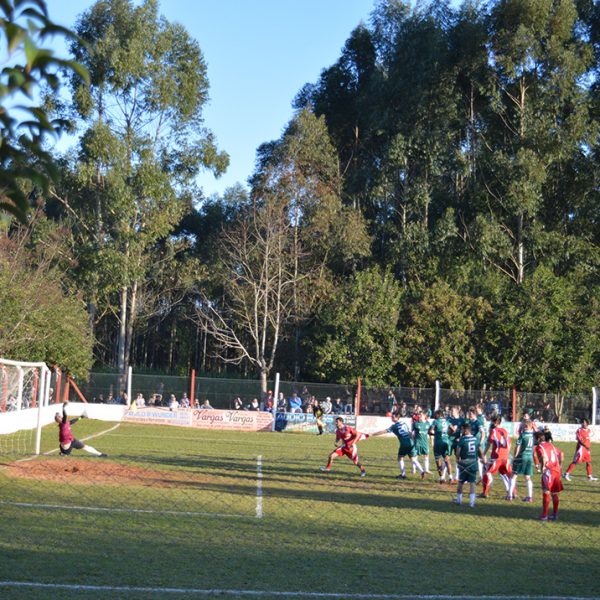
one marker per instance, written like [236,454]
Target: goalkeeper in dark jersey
[66,439]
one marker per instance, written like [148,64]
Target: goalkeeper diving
[66,439]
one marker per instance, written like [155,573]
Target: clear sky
[259,54]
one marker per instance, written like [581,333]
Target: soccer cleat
[363,473]
[453,481]
[483,495]
[509,498]
[592,478]
[324,469]
[103,455]
[422,475]
[553,517]
[457,502]
[401,476]
[428,472]
[543,518]
[567,476]
[442,480]
[528,499]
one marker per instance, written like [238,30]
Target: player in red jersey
[549,460]
[499,440]
[347,438]
[583,453]
[66,439]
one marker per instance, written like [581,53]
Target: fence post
[358,391]
[514,403]
[594,404]
[40,392]
[436,402]
[275,398]
[192,386]
[129,378]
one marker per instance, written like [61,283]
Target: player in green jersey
[421,436]
[441,445]
[468,451]
[523,461]
[407,445]
[482,432]
[455,423]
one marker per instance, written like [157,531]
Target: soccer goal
[24,394]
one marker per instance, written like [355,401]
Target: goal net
[24,393]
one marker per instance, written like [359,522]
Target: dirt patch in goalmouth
[100,471]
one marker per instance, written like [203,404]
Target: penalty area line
[267,593]
[123,510]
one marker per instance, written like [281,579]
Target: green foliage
[39,319]
[356,332]
[441,337]
[24,126]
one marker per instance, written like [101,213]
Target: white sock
[444,471]
[471,500]
[512,485]
[530,488]
[416,465]
[91,450]
[401,463]
[480,467]
[506,483]
[456,472]
[427,463]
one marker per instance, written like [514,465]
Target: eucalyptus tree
[142,144]
[277,258]
[538,126]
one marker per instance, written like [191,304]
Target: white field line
[112,510]
[90,437]
[273,593]
[259,491]
[122,510]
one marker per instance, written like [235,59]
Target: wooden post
[514,404]
[358,392]
[192,386]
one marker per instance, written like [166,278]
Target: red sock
[555,502]
[545,505]
[571,467]
[486,483]
[588,467]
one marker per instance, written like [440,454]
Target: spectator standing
[338,407]
[295,403]
[326,406]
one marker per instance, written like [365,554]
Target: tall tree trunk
[121,367]
[131,322]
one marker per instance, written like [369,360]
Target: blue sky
[259,54]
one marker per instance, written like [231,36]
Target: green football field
[182,513]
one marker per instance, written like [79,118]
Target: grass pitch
[178,512]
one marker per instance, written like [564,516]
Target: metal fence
[225,393]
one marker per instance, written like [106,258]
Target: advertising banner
[233,420]
[308,423]
[159,416]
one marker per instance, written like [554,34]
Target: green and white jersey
[526,442]
[467,448]
[458,423]
[421,429]
[440,430]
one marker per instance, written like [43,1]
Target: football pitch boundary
[274,593]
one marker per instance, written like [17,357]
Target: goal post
[24,398]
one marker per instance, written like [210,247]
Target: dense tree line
[430,212]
